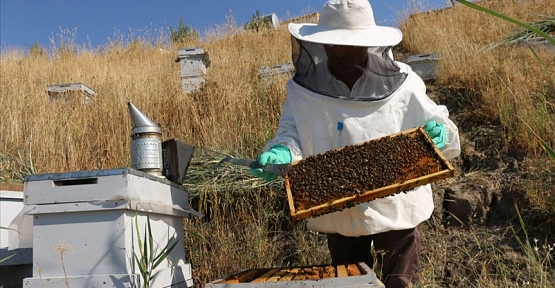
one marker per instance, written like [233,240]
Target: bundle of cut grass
[204,173]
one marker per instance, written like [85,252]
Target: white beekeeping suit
[348,89]
[321,114]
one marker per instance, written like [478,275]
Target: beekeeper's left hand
[437,132]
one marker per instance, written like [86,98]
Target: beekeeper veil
[346,23]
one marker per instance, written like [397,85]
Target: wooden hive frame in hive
[409,181]
[329,275]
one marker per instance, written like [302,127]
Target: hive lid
[94,173]
[125,184]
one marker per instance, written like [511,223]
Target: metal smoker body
[146,143]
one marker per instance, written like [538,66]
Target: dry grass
[247,224]
[503,83]
[233,110]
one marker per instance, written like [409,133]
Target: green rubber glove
[278,154]
[437,132]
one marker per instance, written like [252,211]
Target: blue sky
[96,22]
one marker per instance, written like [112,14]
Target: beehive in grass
[341,178]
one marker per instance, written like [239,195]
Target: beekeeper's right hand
[278,154]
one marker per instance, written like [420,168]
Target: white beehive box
[424,65]
[84,227]
[70,92]
[282,70]
[11,203]
[17,261]
[194,63]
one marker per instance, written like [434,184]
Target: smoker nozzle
[141,123]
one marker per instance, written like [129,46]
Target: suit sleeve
[426,110]
[287,134]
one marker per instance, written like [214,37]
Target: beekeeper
[347,89]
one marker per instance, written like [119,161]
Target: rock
[468,200]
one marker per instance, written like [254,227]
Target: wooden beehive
[344,275]
[342,178]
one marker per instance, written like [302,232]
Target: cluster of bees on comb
[356,169]
[318,272]
[295,274]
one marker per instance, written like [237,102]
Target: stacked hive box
[86,226]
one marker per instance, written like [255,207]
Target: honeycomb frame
[409,181]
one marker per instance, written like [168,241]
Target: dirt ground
[478,232]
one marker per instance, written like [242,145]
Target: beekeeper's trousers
[398,252]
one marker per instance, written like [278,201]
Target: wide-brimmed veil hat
[347,22]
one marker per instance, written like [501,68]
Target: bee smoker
[146,143]
[169,159]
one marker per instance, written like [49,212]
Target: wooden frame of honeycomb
[334,275]
[378,168]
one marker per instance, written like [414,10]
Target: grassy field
[247,222]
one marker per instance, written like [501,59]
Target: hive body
[354,275]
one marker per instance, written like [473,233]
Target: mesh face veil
[311,71]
